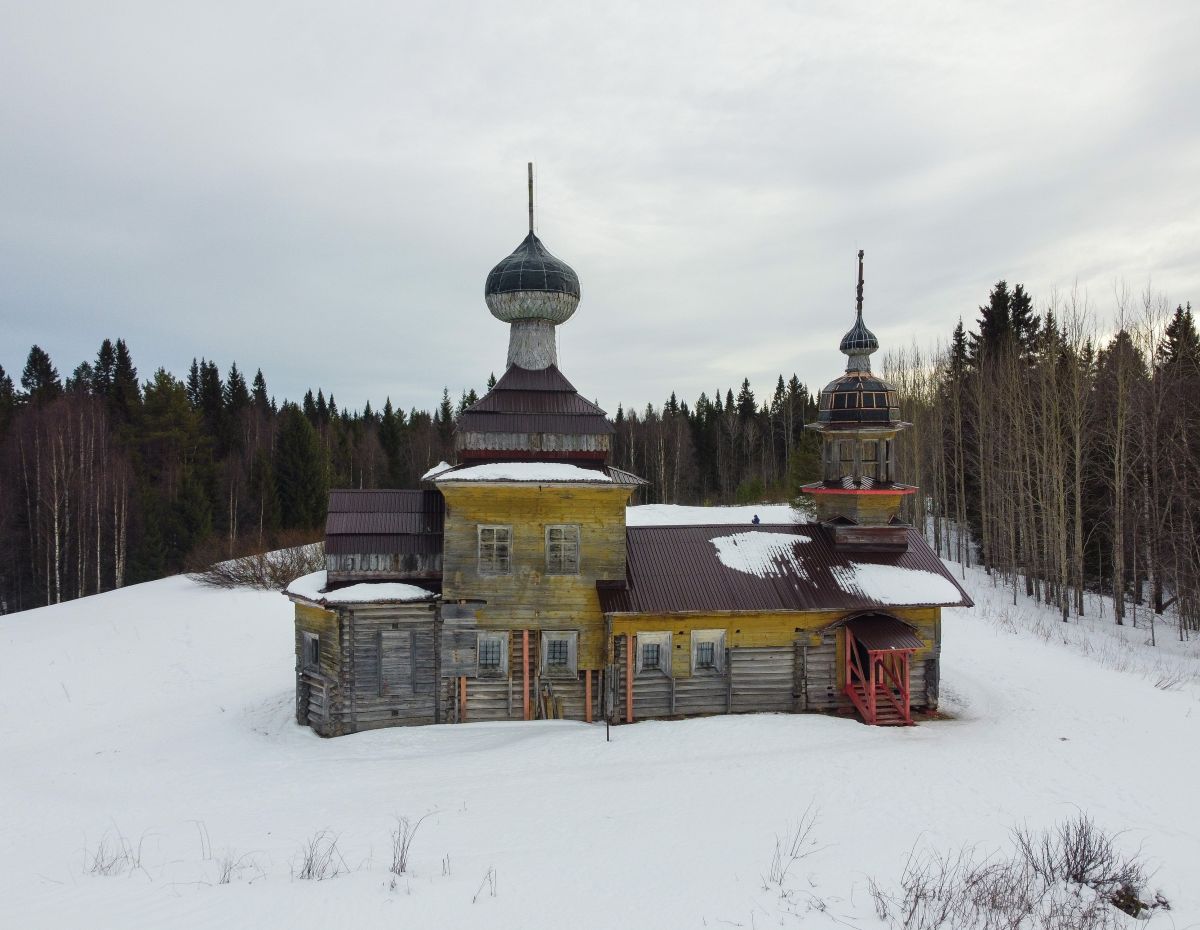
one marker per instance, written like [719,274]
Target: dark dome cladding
[531,267]
[860,340]
[858,398]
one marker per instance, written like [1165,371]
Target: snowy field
[148,733]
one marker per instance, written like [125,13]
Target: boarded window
[397,663]
[310,651]
[562,550]
[493,655]
[708,651]
[870,458]
[560,654]
[495,550]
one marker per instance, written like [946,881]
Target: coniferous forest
[1069,449]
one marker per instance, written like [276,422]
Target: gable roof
[781,567]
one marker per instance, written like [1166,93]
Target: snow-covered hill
[148,733]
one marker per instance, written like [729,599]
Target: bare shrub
[794,844]
[268,570]
[114,854]
[230,866]
[319,858]
[1071,877]
[488,884]
[402,838]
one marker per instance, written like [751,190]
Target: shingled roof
[782,567]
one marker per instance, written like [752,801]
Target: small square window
[558,653]
[489,653]
[651,655]
[708,651]
[706,655]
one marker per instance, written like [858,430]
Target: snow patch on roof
[525,471]
[436,470]
[764,555]
[891,584]
[680,515]
[312,588]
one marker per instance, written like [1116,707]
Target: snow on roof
[436,470]
[312,588]
[764,555]
[893,584]
[525,471]
[680,515]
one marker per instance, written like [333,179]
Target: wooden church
[510,587]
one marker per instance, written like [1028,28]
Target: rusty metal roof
[877,632]
[679,569]
[384,522]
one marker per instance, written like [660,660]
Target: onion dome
[858,345]
[531,284]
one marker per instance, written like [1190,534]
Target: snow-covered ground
[160,716]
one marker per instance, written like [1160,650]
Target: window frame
[479,544]
[571,668]
[717,639]
[310,651]
[550,569]
[661,639]
[497,671]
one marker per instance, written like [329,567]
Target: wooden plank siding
[528,597]
[788,661]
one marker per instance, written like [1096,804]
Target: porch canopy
[878,652]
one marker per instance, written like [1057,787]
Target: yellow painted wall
[762,629]
[528,598]
[325,624]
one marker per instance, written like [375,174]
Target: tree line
[1061,456]
[1068,453]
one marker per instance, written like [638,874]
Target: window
[562,550]
[493,655]
[495,550]
[654,653]
[310,657]
[708,651]
[560,652]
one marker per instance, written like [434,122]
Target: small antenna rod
[531,196]
[860,279]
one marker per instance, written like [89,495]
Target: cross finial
[860,281]
[531,196]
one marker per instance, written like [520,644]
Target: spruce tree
[80,380]
[105,369]
[491,382]
[261,403]
[1180,343]
[193,385]
[125,396]
[300,472]
[40,377]
[995,326]
[8,401]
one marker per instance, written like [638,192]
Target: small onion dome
[858,399]
[531,284]
[858,344]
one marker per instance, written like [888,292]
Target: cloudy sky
[320,189]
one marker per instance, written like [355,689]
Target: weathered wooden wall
[528,597]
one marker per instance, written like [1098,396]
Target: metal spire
[860,279]
[531,199]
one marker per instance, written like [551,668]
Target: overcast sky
[321,189]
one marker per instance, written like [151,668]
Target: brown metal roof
[528,401]
[676,569]
[878,632]
[409,522]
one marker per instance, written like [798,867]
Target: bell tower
[858,498]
